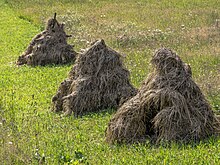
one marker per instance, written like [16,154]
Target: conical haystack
[49,47]
[97,81]
[168,107]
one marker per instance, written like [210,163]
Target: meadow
[31,134]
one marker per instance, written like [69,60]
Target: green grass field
[31,134]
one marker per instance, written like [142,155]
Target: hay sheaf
[49,47]
[97,81]
[168,107]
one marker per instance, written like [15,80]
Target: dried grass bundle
[168,107]
[49,47]
[97,81]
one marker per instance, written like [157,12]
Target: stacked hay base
[168,107]
[49,47]
[97,81]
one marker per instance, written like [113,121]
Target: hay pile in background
[49,47]
[97,81]
[168,107]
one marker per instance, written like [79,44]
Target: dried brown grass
[168,107]
[97,81]
[49,47]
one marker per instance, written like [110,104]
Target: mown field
[31,134]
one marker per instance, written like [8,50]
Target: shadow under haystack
[168,107]
[97,81]
[49,47]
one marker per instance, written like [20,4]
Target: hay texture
[97,81]
[168,107]
[49,47]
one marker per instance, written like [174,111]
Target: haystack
[168,107]
[49,47]
[97,81]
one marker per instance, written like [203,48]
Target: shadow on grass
[48,65]
[96,114]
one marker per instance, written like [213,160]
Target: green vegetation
[30,133]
